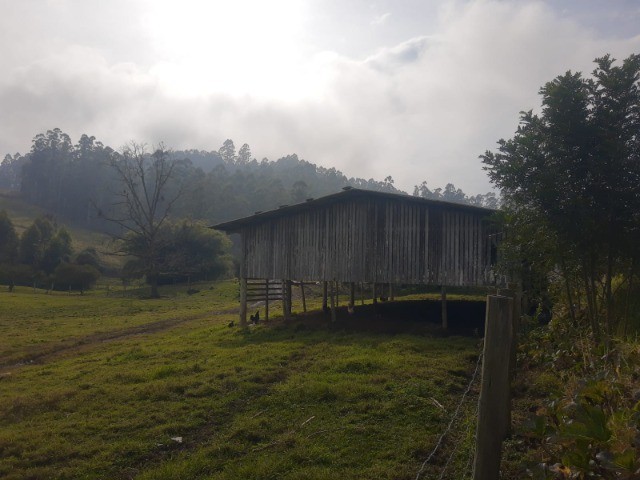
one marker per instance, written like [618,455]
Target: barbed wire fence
[460,434]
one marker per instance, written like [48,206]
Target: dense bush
[69,276]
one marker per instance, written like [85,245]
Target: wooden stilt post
[304,300]
[243,283]
[391,293]
[266,302]
[337,291]
[243,302]
[444,313]
[289,298]
[324,296]
[361,293]
[375,295]
[333,303]
[494,390]
[352,294]
[285,301]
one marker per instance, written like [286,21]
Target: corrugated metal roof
[348,193]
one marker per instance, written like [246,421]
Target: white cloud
[422,109]
[381,19]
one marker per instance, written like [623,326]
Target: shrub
[75,277]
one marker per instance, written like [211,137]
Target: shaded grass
[275,401]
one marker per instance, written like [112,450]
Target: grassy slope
[295,401]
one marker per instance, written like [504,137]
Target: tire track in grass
[41,355]
[219,431]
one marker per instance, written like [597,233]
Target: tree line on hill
[73,181]
[139,197]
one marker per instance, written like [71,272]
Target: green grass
[298,401]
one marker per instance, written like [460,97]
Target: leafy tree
[143,205]
[43,245]
[75,277]
[43,173]
[11,171]
[88,256]
[575,170]
[35,240]
[299,191]
[8,240]
[244,155]
[196,251]
[228,152]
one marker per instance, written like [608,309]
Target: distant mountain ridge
[75,181]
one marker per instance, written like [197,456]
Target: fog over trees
[76,180]
[156,204]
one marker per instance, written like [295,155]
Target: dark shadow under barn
[466,317]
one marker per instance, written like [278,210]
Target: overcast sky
[408,88]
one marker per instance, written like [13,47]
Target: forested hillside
[76,181]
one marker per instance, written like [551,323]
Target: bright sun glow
[239,47]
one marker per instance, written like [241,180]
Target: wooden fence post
[513,292]
[493,406]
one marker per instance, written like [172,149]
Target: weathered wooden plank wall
[372,240]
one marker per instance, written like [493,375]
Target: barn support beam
[243,302]
[243,283]
[324,296]
[266,301]
[304,300]
[333,301]
[352,294]
[444,313]
[286,300]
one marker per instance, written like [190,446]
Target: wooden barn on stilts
[360,236]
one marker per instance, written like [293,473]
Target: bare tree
[143,204]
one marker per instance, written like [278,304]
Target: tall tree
[43,173]
[8,240]
[244,154]
[575,169]
[228,152]
[143,205]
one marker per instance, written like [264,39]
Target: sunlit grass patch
[274,401]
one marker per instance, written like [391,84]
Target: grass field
[110,387]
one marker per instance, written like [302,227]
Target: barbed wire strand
[472,451]
[466,437]
[453,418]
[446,465]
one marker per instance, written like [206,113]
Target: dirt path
[43,354]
